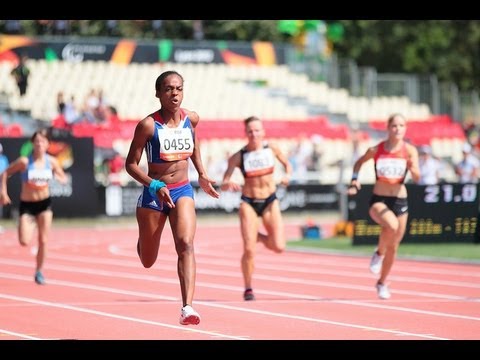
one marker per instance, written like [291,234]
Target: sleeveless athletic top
[391,167]
[170,144]
[258,162]
[37,177]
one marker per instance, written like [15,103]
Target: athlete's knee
[391,227]
[276,242]
[278,247]
[146,261]
[184,247]
[147,265]
[391,247]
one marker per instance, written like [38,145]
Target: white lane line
[338,323]
[301,267]
[23,336]
[174,280]
[223,306]
[409,310]
[115,316]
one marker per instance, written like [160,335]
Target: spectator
[3,160]
[3,165]
[115,168]
[430,166]
[468,169]
[60,102]
[157,28]
[70,112]
[21,73]
[112,28]
[13,27]
[198,30]
[61,27]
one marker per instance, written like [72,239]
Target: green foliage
[335,32]
[448,251]
[288,27]
[447,48]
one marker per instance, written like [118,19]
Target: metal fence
[441,97]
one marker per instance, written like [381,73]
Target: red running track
[97,290]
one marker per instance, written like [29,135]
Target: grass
[469,252]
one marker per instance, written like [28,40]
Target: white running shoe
[376,263]
[383,292]
[188,316]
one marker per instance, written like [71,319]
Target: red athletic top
[391,167]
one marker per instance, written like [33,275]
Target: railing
[441,97]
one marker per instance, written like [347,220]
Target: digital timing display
[446,212]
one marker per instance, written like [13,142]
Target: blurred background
[324,89]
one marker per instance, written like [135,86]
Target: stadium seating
[223,95]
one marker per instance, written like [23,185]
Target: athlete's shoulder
[374,148]
[23,160]
[155,116]
[192,115]
[146,124]
[272,143]
[19,164]
[412,149]
[236,157]
[146,121]
[409,146]
[52,159]
[381,143]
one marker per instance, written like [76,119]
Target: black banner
[123,200]
[125,51]
[77,198]
[437,213]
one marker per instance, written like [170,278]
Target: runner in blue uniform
[169,140]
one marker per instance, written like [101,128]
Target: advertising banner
[437,213]
[77,198]
[123,200]
[126,51]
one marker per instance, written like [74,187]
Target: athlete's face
[397,127]
[40,144]
[255,131]
[171,92]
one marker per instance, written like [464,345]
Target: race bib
[257,163]
[39,177]
[391,169]
[175,144]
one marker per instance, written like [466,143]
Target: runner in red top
[389,204]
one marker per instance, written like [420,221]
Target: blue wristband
[155,185]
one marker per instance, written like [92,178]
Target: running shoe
[188,316]
[382,291]
[39,279]
[248,295]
